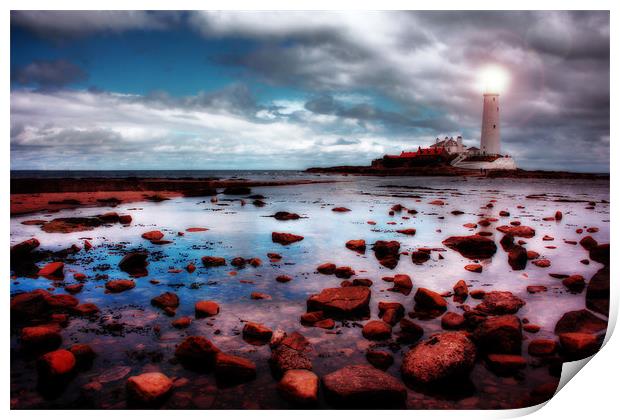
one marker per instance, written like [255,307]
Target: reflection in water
[132,337]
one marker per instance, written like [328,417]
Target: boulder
[283,278]
[391,312]
[410,332]
[54,270]
[542,347]
[363,386]
[387,253]
[452,321]
[341,209]
[197,352]
[153,235]
[61,302]
[326,268]
[118,286]
[600,253]
[86,309]
[134,263]
[182,322]
[427,299]
[377,330]
[254,330]
[579,345]
[409,232]
[29,305]
[588,242]
[125,219]
[84,354]
[517,257]
[472,247]
[499,334]
[520,231]
[290,354]
[460,291]
[542,263]
[56,364]
[597,293]
[358,245]
[379,358]
[506,364]
[500,303]
[341,301]
[420,257]
[403,282]
[582,321]
[344,272]
[206,308]
[166,300]
[148,388]
[209,261]
[474,268]
[24,248]
[285,215]
[575,283]
[41,337]
[299,386]
[234,369]
[285,238]
[441,358]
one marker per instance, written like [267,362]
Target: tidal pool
[146,341]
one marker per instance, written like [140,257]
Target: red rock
[437,202]
[470,225]
[377,330]
[460,290]
[326,324]
[548,238]
[87,245]
[255,262]
[387,253]
[580,344]
[580,321]
[86,309]
[182,322]
[74,288]
[310,318]
[598,292]
[259,296]
[500,303]
[358,245]
[403,282]
[238,262]
[543,263]
[25,247]
[452,321]
[83,353]
[532,255]
[427,299]
[290,354]
[234,369]
[363,386]
[56,364]
[117,286]
[379,359]
[190,268]
[134,263]
[505,364]
[274,256]
[410,332]
[299,386]
[53,270]
[474,268]
[197,352]
[391,312]
[256,331]
[409,232]
[420,257]
[110,217]
[477,294]
[536,289]
[442,357]
[574,283]
[283,278]
[285,238]
[79,276]
[520,231]
[168,301]
[326,268]
[213,261]
[344,272]
[600,253]
[588,242]
[41,337]
[472,247]
[531,328]
[499,334]
[342,301]
[125,219]
[148,388]
[542,347]
[153,235]
[592,230]
[340,209]
[206,308]
[517,257]
[558,215]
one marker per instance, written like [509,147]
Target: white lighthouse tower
[490,136]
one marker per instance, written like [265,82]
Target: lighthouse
[489,138]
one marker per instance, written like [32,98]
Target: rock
[409,232]
[326,268]
[542,347]
[254,330]
[600,253]
[83,353]
[504,213]
[61,302]
[326,324]
[410,332]
[234,369]
[452,321]
[285,238]
[362,386]
[237,190]
[341,209]
[255,262]
[134,263]
[310,318]
[362,282]
[441,358]
[427,299]
[41,337]
[474,268]
[391,312]
[472,247]
[403,282]
[125,219]
[531,328]
[56,364]
[206,308]
[209,261]
[477,294]
[536,289]
[148,388]
[377,330]
[74,288]
[238,262]
[299,386]
[588,242]
[24,248]
[543,263]
[118,286]
[167,300]
[259,296]
[582,321]
[460,291]
[532,255]
[520,231]
[505,364]
[86,309]
[341,301]
[358,245]
[575,283]
[419,257]
[285,215]
[290,354]
[499,334]
[387,253]
[379,359]
[500,303]
[598,294]
[54,270]
[344,272]
[579,345]
[517,257]
[197,352]
[182,322]
[153,235]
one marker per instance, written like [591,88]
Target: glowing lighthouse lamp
[492,81]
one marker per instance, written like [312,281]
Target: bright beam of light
[493,79]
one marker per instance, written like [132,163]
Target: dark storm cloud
[49,74]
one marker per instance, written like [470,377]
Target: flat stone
[148,388]
[299,386]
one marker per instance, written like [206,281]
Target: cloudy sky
[289,90]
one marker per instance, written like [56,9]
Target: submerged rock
[290,354]
[206,308]
[326,268]
[167,301]
[134,263]
[341,301]
[285,215]
[358,245]
[197,353]
[209,261]
[472,247]
[520,231]
[377,330]
[118,286]
[285,238]
[500,303]
[254,330]
[299,386]
[387,253]
[56,364]
[580,321]
[41,337]
[234,369]
[148,388]
[427,299]
[499,334]
[598,294]
[54,270]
